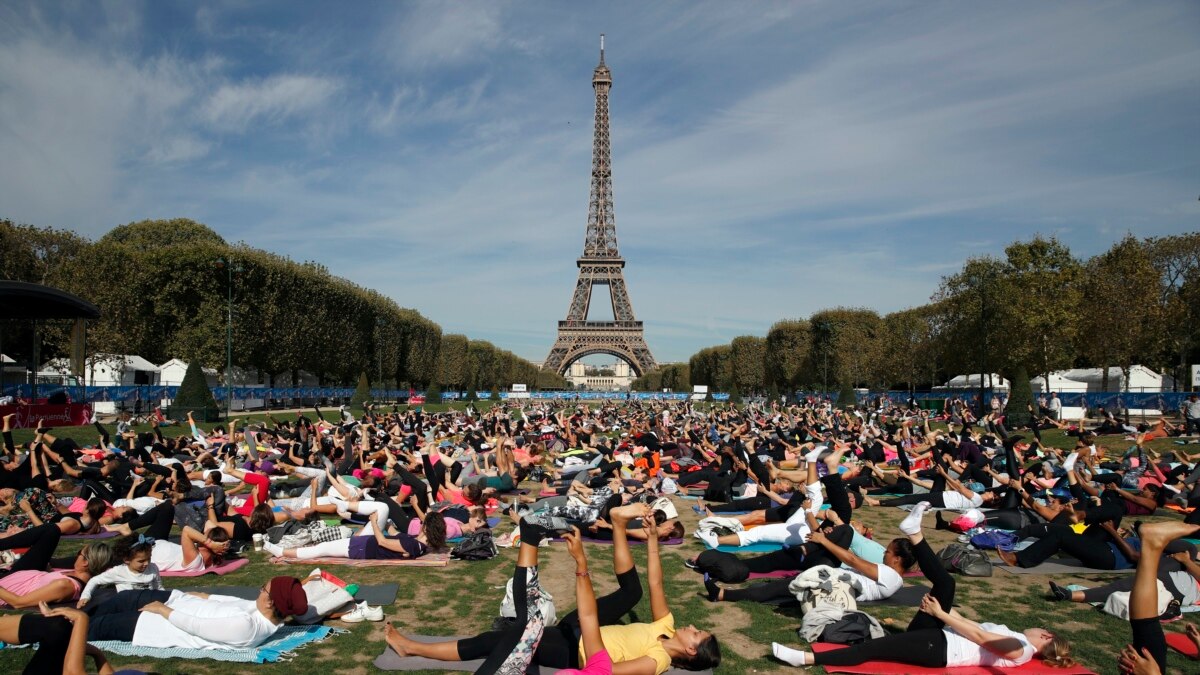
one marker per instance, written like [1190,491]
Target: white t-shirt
[962,652]
[216,622]
[955,501]
[139,504]
[889,582]
[168,557]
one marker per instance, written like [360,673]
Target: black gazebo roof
[21,300]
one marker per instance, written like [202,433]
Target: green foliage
[1017,413]
[194,395]
[495,394]
[433,394]
[152,234]
[362,393]
[735,396]
[746,361]
[787,353]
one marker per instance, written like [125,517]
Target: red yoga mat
[1183,644]
[1034,667]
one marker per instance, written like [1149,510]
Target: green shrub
[846,397]
[433,394]
[1016,414]
[195,397]
[362,393]
[495,394]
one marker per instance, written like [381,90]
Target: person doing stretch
[635,649]
[938,637]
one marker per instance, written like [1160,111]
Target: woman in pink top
[27,583]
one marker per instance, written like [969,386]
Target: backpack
[998,539]
[277,532]
[851,629]
[965,560]
[475,546]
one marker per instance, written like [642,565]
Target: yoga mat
[774,574]
[1183,644]
[378,594]
[907,596]
[389,660]
[1058,566]
[662,542]
[99,535]
[752,548]
[222,569]
[428,560]
[1033,667]
[282,644]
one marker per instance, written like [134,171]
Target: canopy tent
[1058,383]
[971,381]
[1141,379]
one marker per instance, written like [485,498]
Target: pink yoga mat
[1183,644]
[774,574]
[223,568]
[1034,667]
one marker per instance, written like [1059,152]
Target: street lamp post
[230,267]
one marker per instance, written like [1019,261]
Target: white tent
[1058,383]
[992,381]
[171,373]
[1141,379]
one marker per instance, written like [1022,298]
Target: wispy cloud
[766,164]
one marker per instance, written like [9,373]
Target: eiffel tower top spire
[601,239]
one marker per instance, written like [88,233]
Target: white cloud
[234,106]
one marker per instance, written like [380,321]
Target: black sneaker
[1173,613]
[712,590]
[1058,593]
[690,563]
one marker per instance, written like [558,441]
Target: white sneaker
[363,612]
[912,522]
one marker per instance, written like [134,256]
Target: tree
[1129,328]
[787,353]
[495,394]
[846,396]
[1177,260]
[453,363]
[433,394]
[194,395]
[362,393]
[746,358]
[907,342]
[1042,306]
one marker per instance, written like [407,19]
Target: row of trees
[1033,311]
[163,288]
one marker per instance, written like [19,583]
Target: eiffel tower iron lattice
[600,265]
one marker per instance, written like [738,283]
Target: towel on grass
[280,647]
[1058,566]
[1034,667]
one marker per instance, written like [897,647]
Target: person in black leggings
[1113,554]
[61,637]
[924,643]
[687,646]
[1149,647]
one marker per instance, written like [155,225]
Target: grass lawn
[464,598]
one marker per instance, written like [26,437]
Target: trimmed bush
[362,393]
[195,397]
[495,394]
[1016,414]
[433,394]
[846,397]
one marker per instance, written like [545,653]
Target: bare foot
[1193,632]
[8,421]
[629,512]
[396,641]
[1158,535]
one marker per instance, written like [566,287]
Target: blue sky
[769,159]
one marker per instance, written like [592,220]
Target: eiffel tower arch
[600,265]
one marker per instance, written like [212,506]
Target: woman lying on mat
[515,651]
[61,638]
[371,543]
[27,582]
[174,619]
[1147,655]
[638,648]
[1178,571]
[938,636]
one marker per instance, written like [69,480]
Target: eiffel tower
[600,264]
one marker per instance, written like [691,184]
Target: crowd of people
[791,476]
